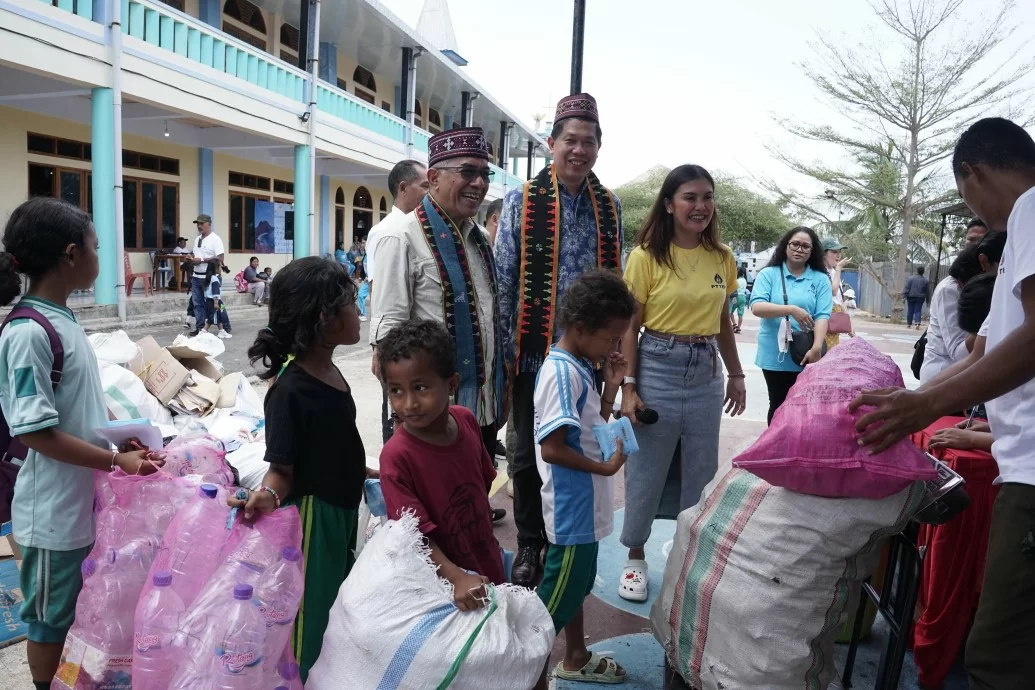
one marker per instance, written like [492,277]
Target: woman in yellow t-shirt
[682,278]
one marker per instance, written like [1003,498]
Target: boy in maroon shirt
[436,464]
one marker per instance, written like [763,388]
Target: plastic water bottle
[279,596]
[157,623]
[241,643]
[197,544]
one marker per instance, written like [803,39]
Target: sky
[678,81]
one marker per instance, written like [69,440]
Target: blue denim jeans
[197,300]
[685,385]
[915,311]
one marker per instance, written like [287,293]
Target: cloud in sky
[677,81]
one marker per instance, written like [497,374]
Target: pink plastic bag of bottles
[237,631]
[133,515]
[812,446]
[200,455]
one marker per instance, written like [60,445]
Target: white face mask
[783,339]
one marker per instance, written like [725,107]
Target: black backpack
[918,355]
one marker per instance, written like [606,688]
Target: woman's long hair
[815,261]
[658,229]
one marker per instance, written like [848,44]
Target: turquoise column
[206,183]
[303,198]
[102,141]
[325,214]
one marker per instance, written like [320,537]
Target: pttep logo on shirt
[717,281]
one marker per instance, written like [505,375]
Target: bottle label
[144,642]
[274,615]
[236,662]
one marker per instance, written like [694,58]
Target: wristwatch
[629,381]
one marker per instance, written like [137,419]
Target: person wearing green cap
[832,249]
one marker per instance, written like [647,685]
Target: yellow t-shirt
[687,301]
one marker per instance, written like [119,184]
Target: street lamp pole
[578,34]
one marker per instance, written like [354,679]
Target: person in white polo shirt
[208,246]
[994,165]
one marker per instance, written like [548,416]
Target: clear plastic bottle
[240,644]
[197,544]
[156,625]
[278,597]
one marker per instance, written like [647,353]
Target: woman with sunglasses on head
[682,279]
[793,291]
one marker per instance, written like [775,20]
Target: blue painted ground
[611,562]
[641,657]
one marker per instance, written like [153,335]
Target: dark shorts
[568,577]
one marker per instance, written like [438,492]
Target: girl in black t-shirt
[316,456]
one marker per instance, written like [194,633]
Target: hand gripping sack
[394,626]
[760,578]
[811,445]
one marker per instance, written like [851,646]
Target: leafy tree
[744,215]
[905,116]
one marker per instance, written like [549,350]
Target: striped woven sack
[760,578]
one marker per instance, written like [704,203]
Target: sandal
[589,674]
[633,585]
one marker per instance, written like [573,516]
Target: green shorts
[568,577]
[50,582]
[737,303]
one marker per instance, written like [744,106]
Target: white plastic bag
[116,348]
[394,626]
[203,342]
[127,398]
[250,462]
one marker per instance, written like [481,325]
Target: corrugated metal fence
[871,296]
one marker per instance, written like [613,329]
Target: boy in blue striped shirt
[578,504]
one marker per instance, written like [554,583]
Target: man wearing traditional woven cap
[559,225]
[438,265]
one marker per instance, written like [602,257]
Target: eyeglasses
[798,246]
[469,172]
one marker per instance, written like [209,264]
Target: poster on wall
[274,228]
[265,227]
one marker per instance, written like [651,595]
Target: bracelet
[607,402]
[114,455]
[736,376]
[273,493]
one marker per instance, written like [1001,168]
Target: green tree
[908,93]
[744,215]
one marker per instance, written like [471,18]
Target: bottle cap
[242,591]
[290,553]
[88,568]
[208,490]
[163,578]
[287,670]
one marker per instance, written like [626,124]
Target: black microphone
[647,416]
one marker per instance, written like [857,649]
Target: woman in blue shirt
[798,260]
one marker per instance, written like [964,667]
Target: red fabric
[447,487]
[954,564]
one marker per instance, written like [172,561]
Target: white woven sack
[126,397]
[394,627]
[760,578]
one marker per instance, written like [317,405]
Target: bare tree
[909,112]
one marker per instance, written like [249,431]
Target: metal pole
[531,153]
[578,34]
[314,72]
[410,106]
[116,92]
[938,262]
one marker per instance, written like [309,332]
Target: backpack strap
[56,348]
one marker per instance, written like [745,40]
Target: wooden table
[176,263]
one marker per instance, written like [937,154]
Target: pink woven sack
[812,446]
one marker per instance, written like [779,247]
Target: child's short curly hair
[419,337]
[594,299]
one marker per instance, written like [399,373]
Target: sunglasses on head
[469,172]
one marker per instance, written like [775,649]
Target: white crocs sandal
[633,585]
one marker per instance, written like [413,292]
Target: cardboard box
[196,360]
[163,375]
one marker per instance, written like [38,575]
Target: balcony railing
[194,40]
[421,139]
[344,106]
[83,8]
[505,179]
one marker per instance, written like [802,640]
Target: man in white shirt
[408,184]
[994,165]
[208,246]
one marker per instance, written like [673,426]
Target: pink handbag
[840,322]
